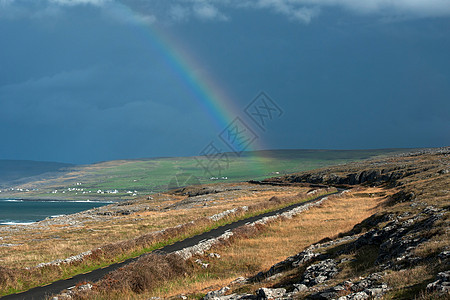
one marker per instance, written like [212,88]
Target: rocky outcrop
[265,293]
[373,172]
[393,237]
[303,258]
[396,240]
[261,294]
[408,221]
[316,274]
[369,287]
[216,294]
[379,176]
[320,272]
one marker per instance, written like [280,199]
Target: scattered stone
[265,293]
[215,294]
[355,296]
[85,287]
[72,291]
[320,272]
[304,257]
[214,255]
[442,284]
[200,262]
[300,287]
[239,280]
[368,287]
[444,255]
[237,297]
[9,245]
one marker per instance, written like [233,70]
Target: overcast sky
[87,80]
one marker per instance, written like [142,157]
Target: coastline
[15,212]
[110,201]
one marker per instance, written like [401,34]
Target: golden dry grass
[59,242]
[407,277]
[411,283]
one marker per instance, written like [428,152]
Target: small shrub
[146,273]
[7,276]
[275,199]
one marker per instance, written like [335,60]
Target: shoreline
[111,201]
[42,210]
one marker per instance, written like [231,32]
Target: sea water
[21,212]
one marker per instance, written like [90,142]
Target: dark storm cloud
[84,80]
[219,10]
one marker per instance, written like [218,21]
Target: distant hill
[13,170]
[125,179]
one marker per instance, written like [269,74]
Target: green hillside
[126,179]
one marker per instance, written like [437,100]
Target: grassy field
[126,236]
[145,176]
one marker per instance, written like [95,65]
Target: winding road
[56,287]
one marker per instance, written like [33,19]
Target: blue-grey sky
[85,80]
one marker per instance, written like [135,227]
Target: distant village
[17,190]
[219,178]
[74,190]
[79,190]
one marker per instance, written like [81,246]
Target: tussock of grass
[410,283]
[131,280]
[146,273]
[361,262]
[434,246]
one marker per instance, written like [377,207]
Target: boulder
[216,294]
[266,293]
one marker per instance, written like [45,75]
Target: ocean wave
[59,201]
[17,223]
[55,216]
[88,201]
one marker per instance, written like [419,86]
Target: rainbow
[210,97]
